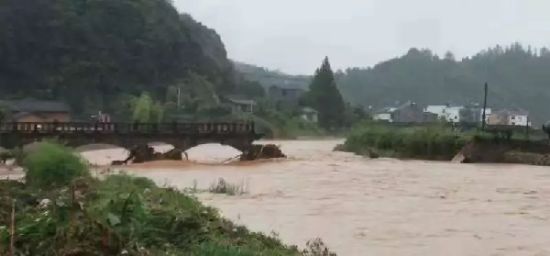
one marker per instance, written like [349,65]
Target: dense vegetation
[280,124]
[432,143]
[324,96]
[97,54]
[119,215]
[268,78]
[517,77]
[138,60]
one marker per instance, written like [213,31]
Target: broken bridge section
[182,136]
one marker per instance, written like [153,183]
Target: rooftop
[286,88]
[31,105]
[240,100]
[309,110]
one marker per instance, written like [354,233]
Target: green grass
[435,142]
[122,214]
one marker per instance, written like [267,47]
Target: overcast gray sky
[294,35]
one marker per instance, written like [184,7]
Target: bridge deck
[128,128]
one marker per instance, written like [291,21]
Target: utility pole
[484,117]
[179,97]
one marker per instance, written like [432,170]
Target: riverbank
[60,209]
[426,143]
[444,144]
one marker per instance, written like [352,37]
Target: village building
[285,97]
[448,113]
[384,115]
[458,114]
[411,112]
[509,117]
[239,105]
[35,111]
[309,115]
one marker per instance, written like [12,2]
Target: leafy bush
[53,165]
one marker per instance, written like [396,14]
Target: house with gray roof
[31,110]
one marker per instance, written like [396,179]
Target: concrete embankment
[515,152]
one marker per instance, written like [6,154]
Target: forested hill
[268,78]
[518,77]
[90,52]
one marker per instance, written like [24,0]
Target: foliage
[325,97]
[52,165]
[546,128]
[268,78]
[89,53]
[122,216]
[3,114]
[434,142]
[278,124]
[250,89]
[518,77]
[146,110]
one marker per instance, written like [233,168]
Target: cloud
[294,35]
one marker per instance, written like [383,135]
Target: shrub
[223,187]
[53,165]
[438,143]
[317,247]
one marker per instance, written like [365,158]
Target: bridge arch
[182,136]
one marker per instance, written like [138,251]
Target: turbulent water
[360,206]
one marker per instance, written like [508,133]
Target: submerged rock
[268,151]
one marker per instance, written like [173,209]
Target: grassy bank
[432,143]
[75,214]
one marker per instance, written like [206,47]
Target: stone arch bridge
[182,136]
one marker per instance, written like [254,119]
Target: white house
[518,118]
[384,115]
[310,115]
[453,114]
[509,117]
[488,112]
[448,113]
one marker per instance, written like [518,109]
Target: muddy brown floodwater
[360,206]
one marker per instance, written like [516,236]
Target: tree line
[518,78]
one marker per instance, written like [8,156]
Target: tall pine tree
[325,97]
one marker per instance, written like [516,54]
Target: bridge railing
[128,128]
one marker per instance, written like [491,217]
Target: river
[360,206]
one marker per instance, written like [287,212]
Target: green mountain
[90,52]
[518,78]
[268,78]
